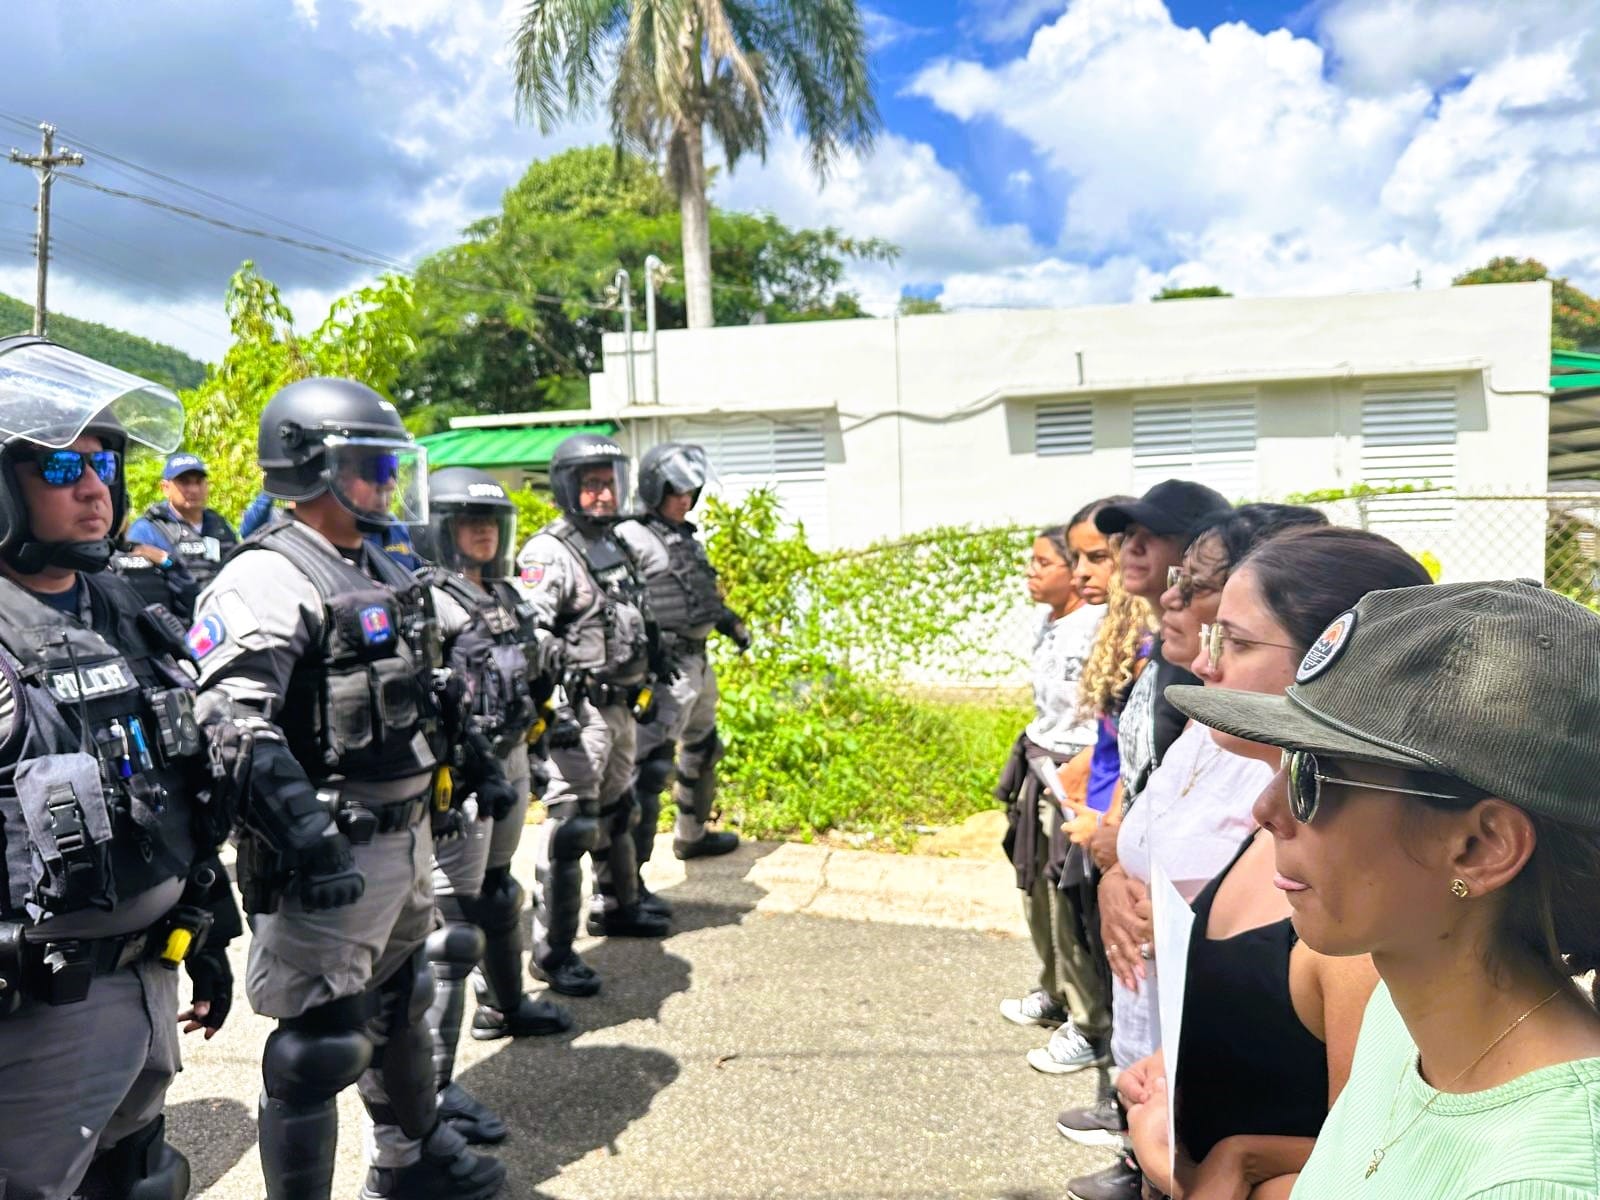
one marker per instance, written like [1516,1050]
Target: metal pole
[624,284]
[651,266]
[44,164]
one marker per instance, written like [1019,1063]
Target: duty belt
[679,644]
[362,822]
[607,693]
[61,970]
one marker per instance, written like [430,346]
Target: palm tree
[678,66]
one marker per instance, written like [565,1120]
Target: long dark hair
[1239,530]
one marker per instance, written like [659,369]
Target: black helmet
[457,492]
[317,431]
[574,456]
[50,397]
[672,467]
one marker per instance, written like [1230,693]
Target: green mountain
[151,360]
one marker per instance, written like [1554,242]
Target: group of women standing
[1378,796]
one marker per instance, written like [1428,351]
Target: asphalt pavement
[823,1023]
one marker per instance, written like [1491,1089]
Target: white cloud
[1008,20]
[1266,162]
[1020,179]
[884,30]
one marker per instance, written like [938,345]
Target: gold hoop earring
[1459,889]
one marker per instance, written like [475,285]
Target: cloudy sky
[1033,152]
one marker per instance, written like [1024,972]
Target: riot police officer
[488,632]
[194,537]
[686,602]
[593,634]
[318,659]
[110,878]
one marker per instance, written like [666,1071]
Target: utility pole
[44,165]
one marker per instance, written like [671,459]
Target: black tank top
[1246,1063]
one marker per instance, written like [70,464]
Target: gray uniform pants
[301,960]
[684,731]
[590,806]
[78,1078]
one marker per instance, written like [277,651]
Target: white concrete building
[872,429]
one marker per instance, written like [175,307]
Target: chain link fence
[1553,537]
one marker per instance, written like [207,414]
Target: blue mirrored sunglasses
[379,469]
[63,468]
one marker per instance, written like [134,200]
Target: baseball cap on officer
[1490,683]
[1174,506]
[181,464]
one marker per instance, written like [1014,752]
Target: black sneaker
[571,976]
[711,844]
[651,903]
[1100,1124]
[447,1170]
[1120,1181]
[531,1018]
[628,922]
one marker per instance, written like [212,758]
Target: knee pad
[499,905]
[455,948]
[654,771]
[315,1056]
[573,837]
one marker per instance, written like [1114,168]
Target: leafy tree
[679,66]
[149,360]
[916,306]
[365,337]
[511,318]
[1574,316]
[1203,292]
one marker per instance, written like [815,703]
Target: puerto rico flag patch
[375,626]
[206,635]
[533,573]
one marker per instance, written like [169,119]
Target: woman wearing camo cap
[1443,814]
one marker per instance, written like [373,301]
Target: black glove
[566,731]
[731,625]
[496,798]
[327,874]
[212,976]
[549,657]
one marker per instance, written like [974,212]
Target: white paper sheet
[1174,922]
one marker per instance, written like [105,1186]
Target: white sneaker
[1068,1051]
[1036,1008]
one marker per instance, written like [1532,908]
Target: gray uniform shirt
[653,557]
[563,593]
[260,617]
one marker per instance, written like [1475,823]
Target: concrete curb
[861,885]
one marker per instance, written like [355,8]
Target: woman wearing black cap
[1443,815]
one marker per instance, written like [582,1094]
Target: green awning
[505,446]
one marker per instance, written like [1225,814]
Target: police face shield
[685,470]
[381,481]
[476,540]
[49,395]
[602,487]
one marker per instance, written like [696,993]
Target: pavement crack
[822,882]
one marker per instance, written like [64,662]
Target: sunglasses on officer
[63,468]
[1306,778]
[380,470]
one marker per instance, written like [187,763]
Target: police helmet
[679,467]
[579,453]
[49,398]
[336,435]
[456,493]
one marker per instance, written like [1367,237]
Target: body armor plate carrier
[491,657]
[609,638]
[684,596]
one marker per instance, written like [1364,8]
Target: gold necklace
[1380,1151]
[1202,764]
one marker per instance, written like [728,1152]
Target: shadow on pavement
[213,1134]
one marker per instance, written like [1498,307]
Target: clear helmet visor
[382,481]
[685,469]
[482,540]
[49,394]
[603,487]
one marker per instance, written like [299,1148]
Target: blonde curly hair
[1109,668]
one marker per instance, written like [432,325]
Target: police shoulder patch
[206,634]
[375,624]
[1325,651]
[533,572]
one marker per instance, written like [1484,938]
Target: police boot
[139,1167]
[447,1170]
[651,903]
[500,975]
[690,837]
[452,951]
[569,975]
[631,921]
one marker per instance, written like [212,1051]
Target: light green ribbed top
[1535,1138]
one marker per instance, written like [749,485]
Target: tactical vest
[683,596]
[608,637]
[192,549]
[491,656]
[102,759]
[143,576]
[361,704]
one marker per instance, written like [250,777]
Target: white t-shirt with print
[1059,653]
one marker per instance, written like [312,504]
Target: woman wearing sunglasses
[1441,814]
[1268,1023]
